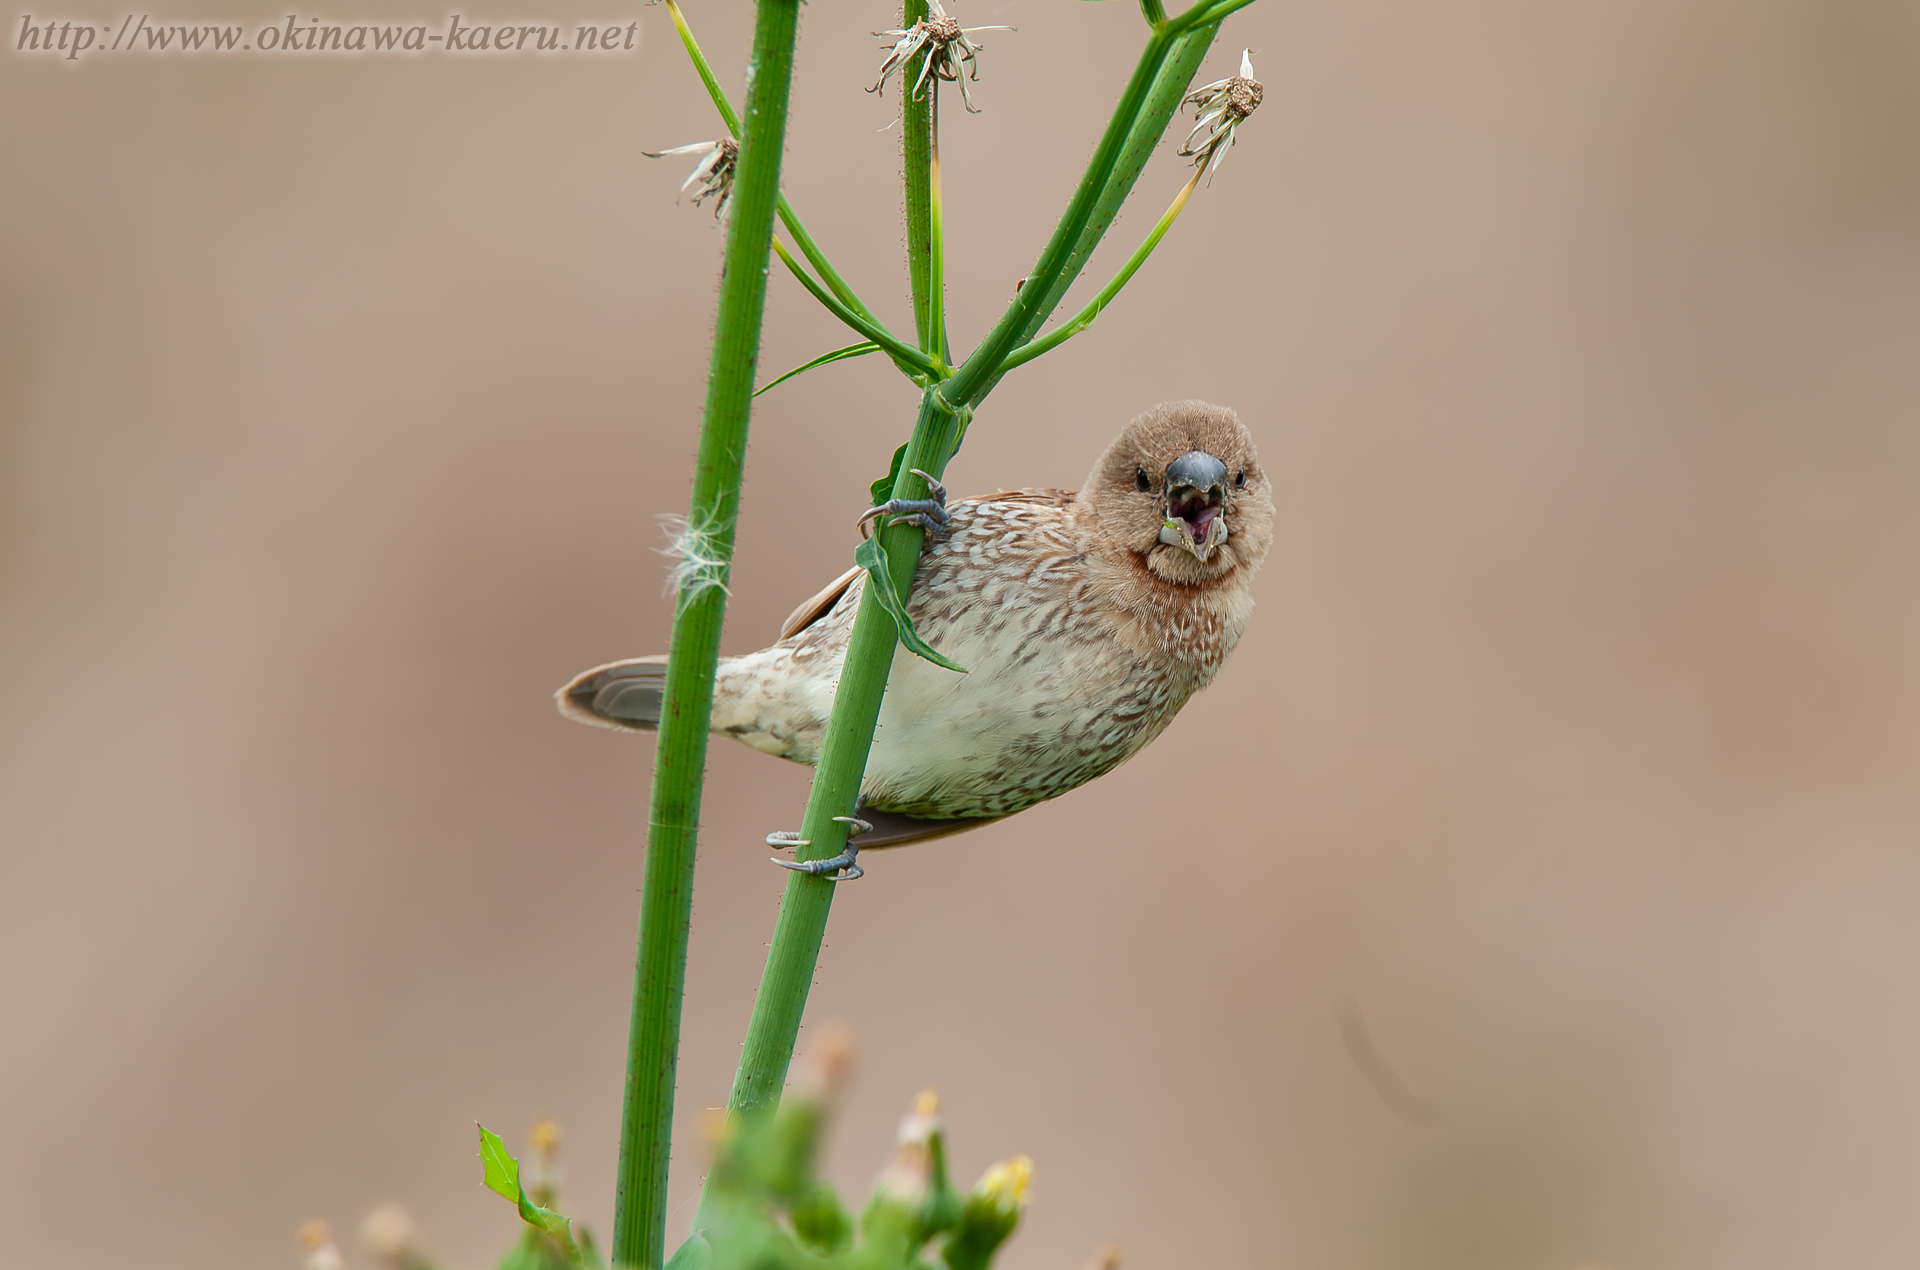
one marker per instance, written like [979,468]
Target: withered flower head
[1221,106]
[950,52]
[714,172]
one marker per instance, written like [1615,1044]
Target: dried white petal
[1221,107]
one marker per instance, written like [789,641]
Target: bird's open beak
[1196,504]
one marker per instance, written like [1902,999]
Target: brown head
[1183,489]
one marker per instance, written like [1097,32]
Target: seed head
[950,53]
[698,565]
[1221,107]
[713,174]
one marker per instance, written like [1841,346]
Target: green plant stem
[795,948]
[936,238]
[1085,318]
[905,354]
[1204,12]
[1170,86]
[916,175]
[640,1213]
[836,787]
[1064,255]
[802,239]
[1153,11]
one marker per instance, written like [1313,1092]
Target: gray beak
[1196,503]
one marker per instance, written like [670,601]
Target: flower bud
[318,1251]
[991,1213]
[829,1061]
[391,1239]
[544,1139]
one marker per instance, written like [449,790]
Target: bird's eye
[1140,481]
[1240,479]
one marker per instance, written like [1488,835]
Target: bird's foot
[929,514]
[831,869]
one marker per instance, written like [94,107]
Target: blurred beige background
[1574,739]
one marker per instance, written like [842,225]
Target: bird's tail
[624,695]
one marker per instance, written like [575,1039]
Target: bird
[1085,618]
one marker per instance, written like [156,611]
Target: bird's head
[1183,488]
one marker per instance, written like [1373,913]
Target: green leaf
[502,1171]
[838,354]
[501,1174]
[870,556]
[883,488]
[695,1254]
[821,1221]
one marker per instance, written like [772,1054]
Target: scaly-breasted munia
[1086,619]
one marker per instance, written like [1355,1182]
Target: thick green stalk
[1169,88]
[1061,258]
[843,758]
[856,705]
[936,238]
[640,1213]
[916,160]
[1170,85]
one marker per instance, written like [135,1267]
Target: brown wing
[819,606]
[891,829]
[822,604]
[1051,497]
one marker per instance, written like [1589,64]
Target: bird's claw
[930,514]
[823,868]
[840,868]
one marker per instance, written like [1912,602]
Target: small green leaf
[838,354]
[883,488]
[869,556]
[502,1171]
[501,1174]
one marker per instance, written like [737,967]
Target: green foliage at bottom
[767,1209]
